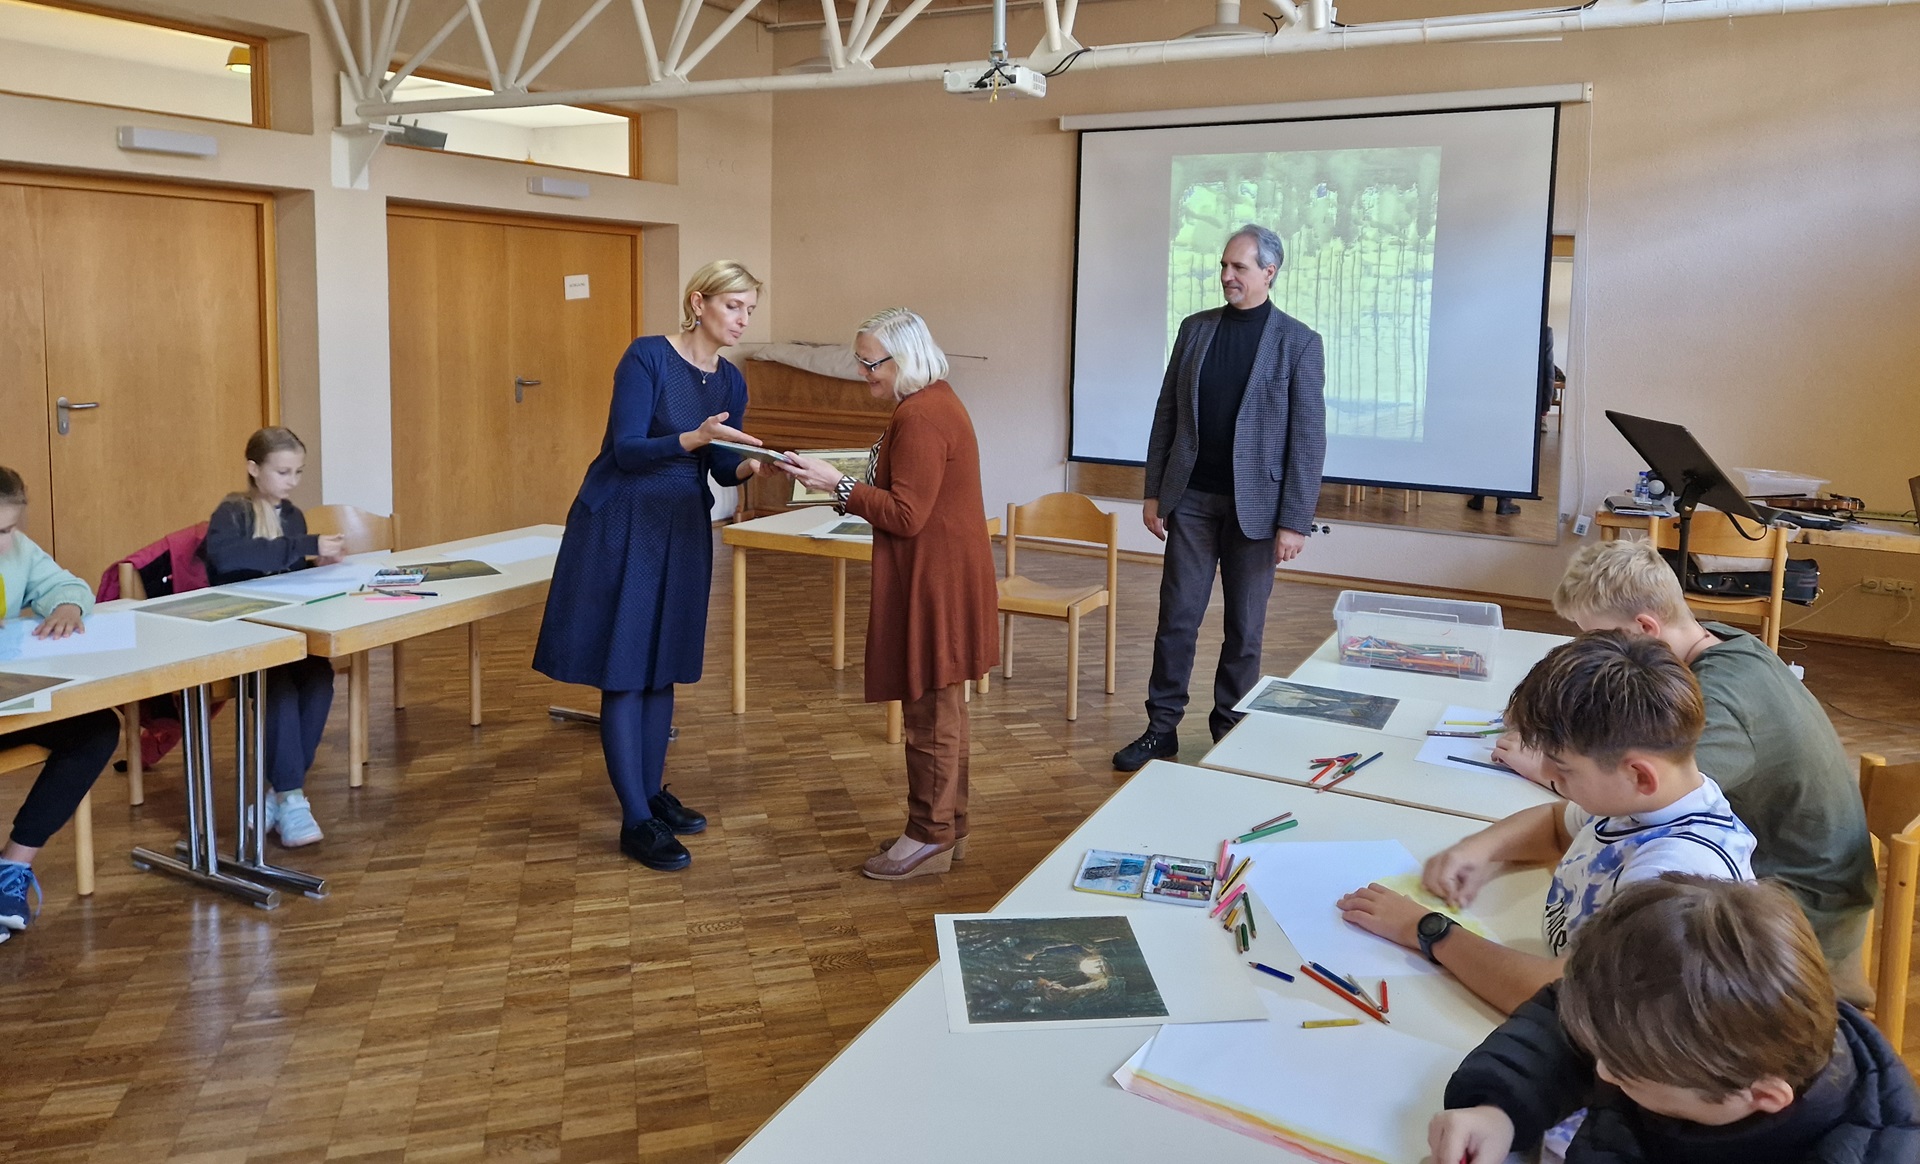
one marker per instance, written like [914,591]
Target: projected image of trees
[1359,229]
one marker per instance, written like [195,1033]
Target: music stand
[1677,459]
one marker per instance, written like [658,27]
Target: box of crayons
[1431,636]
[1181,880]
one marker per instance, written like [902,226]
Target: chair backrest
[22,756]
[364,531]
[1065,517]
[1714,533]
[1892,796]
[130,584]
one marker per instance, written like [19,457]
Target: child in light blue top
[79,746]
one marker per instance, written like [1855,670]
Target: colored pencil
[1235,875]
[1334,781]
[1248,902]
[1341,979]
[1483,764]
[1383,996]
[1282,827]
[1220,907]
[323,598]
[1220,867]
[1362,992]
[1471,722]
[1316,1024]
[1282,975]
[1276,820]
[1245,943]
[1347,995]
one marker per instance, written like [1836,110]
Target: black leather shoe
[681,819]
[1507,507]
[1477,502]
[652,844]
[1151,745]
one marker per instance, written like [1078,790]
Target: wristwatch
[1431,929]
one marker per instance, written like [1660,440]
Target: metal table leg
[201,866]
[250,801]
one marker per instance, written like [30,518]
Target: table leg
[839,614]
[201,865]
[895,719]
[136,769]
[357,720]
[399,676]
[739,630]
[83,846]
[473,674]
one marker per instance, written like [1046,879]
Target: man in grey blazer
[1233,475]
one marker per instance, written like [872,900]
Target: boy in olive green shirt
[1768,744]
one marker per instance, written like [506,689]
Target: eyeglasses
[871,365]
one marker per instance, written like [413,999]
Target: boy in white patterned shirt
[1616,718]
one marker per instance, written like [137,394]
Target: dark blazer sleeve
[917,449]
[636,392]
[1306,437]
[234,553]
[724,464]
[1527,1068]
[1165,417]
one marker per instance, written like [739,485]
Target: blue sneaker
[15,880]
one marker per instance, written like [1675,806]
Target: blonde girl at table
[81,745]
[934,620]
[255,534]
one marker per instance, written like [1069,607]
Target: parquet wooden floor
[491,980]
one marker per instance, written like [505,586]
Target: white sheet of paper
[514,550]
[315,583]
[111,631]
[1362,1092]
[1191,962]
[578,286]
[33,704]
[1298,882]
[1437,749]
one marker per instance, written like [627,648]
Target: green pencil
[1282,827]
[323,598]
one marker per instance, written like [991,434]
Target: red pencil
[1384,1004]
[1343,993]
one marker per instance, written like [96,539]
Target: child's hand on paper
[332,548]
[65,620]
[1523,760]
[1386,914]
[1470,1135]
[1457,873]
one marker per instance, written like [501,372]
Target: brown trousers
[936,732]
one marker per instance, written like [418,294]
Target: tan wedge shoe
[881,867]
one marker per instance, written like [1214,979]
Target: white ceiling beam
[646,40]
[341,45]
[894,29]
[559,46]
[682,29]
[1052,11]
[439,38]
[520,43]
[719,34]
[389,44]
[836,51]
[1068,12]
[857,49]
[366,32]
[486,45]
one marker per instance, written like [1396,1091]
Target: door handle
[520,385]
[63,408]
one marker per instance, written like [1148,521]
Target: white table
[1277,747]
[170,655]
[906,1088]
[352,626]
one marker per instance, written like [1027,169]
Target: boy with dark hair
[1615,718]
[1696,1023]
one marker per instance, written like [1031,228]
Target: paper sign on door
[577,287]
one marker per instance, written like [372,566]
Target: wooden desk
[786,533]
[906,1083]
[171,654]
[351,626]
[1886,537]
[1277,747]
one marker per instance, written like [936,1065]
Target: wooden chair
[30,756]
[1892,796]
[1068,517]
[1714,533]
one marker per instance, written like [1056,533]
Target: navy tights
[633,734]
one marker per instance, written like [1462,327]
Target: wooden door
[152,305]
[23,363]
[479,302]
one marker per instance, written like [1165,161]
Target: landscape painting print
[1021,970]
[1342,707]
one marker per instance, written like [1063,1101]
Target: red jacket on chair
[172,565]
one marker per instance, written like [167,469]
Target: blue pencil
[1282,975]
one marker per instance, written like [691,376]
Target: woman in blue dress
[628,609]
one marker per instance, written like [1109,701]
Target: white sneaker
[292,817]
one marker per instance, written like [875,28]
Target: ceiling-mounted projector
[995,79]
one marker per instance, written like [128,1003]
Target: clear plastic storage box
[1432,636]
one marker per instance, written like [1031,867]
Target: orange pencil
[1383,996]
[1342,992]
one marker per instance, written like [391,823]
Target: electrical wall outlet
[1582,524]
[1903,587]
[1891,587]
[1319,527]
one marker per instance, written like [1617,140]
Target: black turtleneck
[1223,381]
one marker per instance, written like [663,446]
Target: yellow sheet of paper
[1409,884]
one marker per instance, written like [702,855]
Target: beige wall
[332,241]
[1750,256]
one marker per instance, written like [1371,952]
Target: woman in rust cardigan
[934,622]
